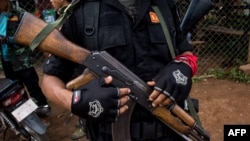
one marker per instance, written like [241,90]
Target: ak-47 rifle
[102,64]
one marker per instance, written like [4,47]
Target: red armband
[189,59]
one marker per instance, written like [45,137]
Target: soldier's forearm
[54,89]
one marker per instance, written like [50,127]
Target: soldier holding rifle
[131,32]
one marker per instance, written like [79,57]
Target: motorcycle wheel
[36,136]
[35,128]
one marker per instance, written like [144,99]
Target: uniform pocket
[156,34]
[111,37]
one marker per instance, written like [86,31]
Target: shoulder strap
[91,18]
[193,111]
[51,26]
[167,15]
[165,31]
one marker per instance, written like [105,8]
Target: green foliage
[211,18]
[196,79]
[219,73]
[233,74]
[239,76]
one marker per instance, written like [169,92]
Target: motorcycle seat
[7,87]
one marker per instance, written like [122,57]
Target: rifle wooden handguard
[82,79]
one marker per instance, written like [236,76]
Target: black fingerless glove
[175,80]
[96,101]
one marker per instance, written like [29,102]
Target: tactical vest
[118,37]
[102,40]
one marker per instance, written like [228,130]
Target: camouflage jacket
[21,57]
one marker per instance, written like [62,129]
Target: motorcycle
[17,112]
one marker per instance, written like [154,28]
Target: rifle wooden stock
[55,43]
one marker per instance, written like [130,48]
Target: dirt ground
[221,102]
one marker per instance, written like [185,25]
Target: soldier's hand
[100,102]
[173,82]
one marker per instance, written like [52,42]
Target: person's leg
[30,79]
[8,70]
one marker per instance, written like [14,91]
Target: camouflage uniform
[21,57]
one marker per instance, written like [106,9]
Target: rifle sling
[51,26]
[165,30]
[193,111]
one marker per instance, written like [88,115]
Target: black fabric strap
[51,26]
[193,111]
[91,17]
[165,7]
[165,31]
